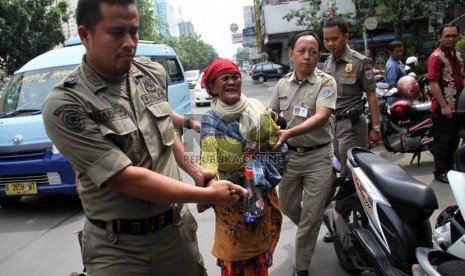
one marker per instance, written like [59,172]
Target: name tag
[300,111]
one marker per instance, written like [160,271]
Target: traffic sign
[370,23]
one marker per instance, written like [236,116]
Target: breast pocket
[310,106]
[347,85]
[161,112]
[284,104]
[118,131]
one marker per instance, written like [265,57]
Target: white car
[201,95]
[192,76]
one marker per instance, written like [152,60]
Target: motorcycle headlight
[55,150]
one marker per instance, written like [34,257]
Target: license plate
[21,188]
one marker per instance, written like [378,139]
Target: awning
[387,37]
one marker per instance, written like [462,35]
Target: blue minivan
[29,162]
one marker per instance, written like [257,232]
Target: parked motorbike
[380,216]
[406,123]
[448,255]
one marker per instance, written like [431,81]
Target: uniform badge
[369,74]
[74,121]
[148,84]
[348,67]
[327,92]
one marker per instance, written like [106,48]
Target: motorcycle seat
[412,200]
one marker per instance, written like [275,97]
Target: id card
[300,111]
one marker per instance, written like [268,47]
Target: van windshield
[27,90]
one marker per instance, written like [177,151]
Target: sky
[211,20]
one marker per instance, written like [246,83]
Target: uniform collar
[347,55]
[93,81]
[311,78]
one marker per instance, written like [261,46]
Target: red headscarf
[215,69]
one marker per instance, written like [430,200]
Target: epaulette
[288,74]
[142,60]
[357,55]
[70,81]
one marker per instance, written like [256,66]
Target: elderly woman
[237,126]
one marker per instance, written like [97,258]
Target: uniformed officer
[110,118]
[307,98]
[354,76]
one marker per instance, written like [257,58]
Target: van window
[172,68]
[27,90]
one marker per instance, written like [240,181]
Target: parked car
[201,96]
[264,71]
[192,76]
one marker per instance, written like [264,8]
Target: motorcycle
[406,123]
[380,216]
[448,255]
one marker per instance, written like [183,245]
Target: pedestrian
[446,78]
[110,118]
[306,97]
[354,76]
[394,66]
[367,53]
[235,127]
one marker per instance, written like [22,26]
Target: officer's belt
[137,227]
[306,149]
[344,115]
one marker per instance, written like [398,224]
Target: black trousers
[446,141]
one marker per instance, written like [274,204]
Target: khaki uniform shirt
[354,75]
[102,128]
[298,101]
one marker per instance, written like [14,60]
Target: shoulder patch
[72,116]
[328,87]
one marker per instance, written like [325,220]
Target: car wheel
[9,201]
[261,79]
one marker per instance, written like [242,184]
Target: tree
[29,28]
[193,52]
[399,13]
[242,56]
[313,17]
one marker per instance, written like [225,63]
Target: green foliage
[146,20]
[460,46]
[313,17]
[29,28]
[242,56]
[192,51]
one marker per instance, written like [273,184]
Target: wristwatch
[376,129]
[188,123]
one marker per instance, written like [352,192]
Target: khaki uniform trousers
[303,191]
[347,135]
[171,251]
